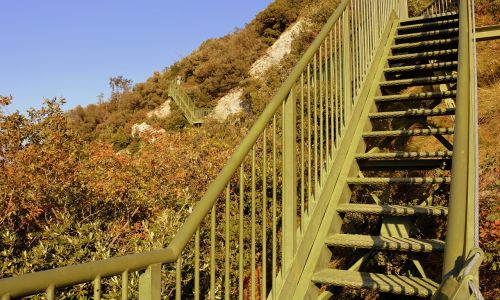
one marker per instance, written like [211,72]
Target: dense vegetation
[69,197]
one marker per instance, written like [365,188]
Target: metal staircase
[193,114]
[340,171]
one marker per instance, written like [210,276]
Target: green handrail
[277,173]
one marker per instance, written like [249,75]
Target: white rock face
[278,50]
[162,111]
[139,130]
[229,104]
[232,102]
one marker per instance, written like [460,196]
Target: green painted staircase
[423,53]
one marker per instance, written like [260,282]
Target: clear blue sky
[54,48]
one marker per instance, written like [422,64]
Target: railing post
[403,9]
[289,181]
[150,283]
[346,40]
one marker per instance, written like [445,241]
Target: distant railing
[440,7]
[241,239]
[193,114]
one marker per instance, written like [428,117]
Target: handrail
[318,97]
[461,228]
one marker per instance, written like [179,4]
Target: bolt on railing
[242,236]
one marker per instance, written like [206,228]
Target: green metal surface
[487,33]
[284,193]
[411,286]
[193,114]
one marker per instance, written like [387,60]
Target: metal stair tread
[396,180]
[419,80]
[409,132]
[433,23]
[384,243]
[426,34]
[423,54]
[411,286]
[437,42]
[403,154]
[422,67]
[416,96]
[393,210]
[413,113]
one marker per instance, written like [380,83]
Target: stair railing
[462,236]
[242,238]
[440,7]
[193,114]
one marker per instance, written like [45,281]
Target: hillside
[77,186]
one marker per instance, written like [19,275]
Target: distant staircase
[193,114]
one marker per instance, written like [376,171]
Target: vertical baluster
[125,285]
[178,278]
[309,138]
[97,287]
[337,85]
[150,283]
[347,68]
[197,264]
[332,96]
[289,204]
[212,254]
[302,170]
[327,127]
[264,214]
[50,292]
[226,246]
[274,260]
[241,245]
[252,271]
[315,122]
[342,85]
[321,123]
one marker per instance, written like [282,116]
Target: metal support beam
[150,283]
[488,33]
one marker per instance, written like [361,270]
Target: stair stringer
[319,255]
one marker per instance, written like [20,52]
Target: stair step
[423,67]
[427,34]
[416,97]
[427,19]
[413,113]
[397,180]
[436,154]
[424,44]
[405,164]
[411,286]
[384,243]
[432,24]
[393,210]
[410,132]
[419,81]
[428,54]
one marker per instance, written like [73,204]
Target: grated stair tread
[432,24]
[427,34]
[438,42]
[417,96]
[403,154]
[413,113]
[420,81]
[423,67]
[393,210]
[409,132]
[397,284]
[394,243]
[397,180]
[427,54]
